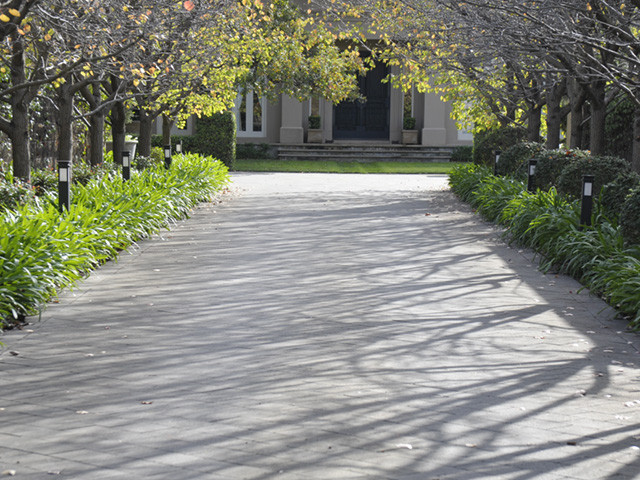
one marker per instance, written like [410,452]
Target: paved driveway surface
[317,327]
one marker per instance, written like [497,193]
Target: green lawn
[245,165]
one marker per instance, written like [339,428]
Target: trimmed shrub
[485,143]
[551,163]
[615,193]
[462,154]
[314,121]
[630,218]
[618,128]
[154,160]
[188,143]
[513,161]
[215,136]
[408,123]
[604,170]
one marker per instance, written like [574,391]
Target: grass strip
[332,166]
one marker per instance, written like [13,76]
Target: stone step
[364,153]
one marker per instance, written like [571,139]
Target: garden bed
[549,222]
[43,251]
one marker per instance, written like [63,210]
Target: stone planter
[410,137]
[130,145]
[314,135]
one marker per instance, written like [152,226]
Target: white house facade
[378,119]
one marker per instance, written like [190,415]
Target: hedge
[214,136]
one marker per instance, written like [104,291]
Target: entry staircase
[364,152]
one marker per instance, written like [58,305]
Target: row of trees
[499,62]
[504,62]
[88,62]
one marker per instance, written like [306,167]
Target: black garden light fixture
[126,165]
[495,165]
[64,185]
[179,147]
[531,174]
[167,156]
[587,200]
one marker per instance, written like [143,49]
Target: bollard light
[126,165]
[64,185]
[587,200]
[495,166]
[531,180]
[179,147]
[167,156]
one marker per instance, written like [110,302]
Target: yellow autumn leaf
[4,18]
[14,12]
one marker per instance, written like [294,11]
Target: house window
[249,111]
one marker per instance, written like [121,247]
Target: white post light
[167,156]
[126,165]
[586,206]
[64,184]
[531,183]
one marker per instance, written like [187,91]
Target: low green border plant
[42,250]
[549,223]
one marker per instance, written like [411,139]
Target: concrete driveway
[316,327]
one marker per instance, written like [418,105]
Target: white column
[291,130]
[434,131]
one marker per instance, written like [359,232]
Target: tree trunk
[146,131]
[96,139]
[554,115]
[635,157]
[167,123]
[19,137]
[598,116]
[19,128]
[64,121]
[96,128]
[534,123]
[576,99]
[118,124]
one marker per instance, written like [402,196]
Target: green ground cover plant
[549,222]
[42,250]
[265,165]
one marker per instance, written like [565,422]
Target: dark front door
[368,118]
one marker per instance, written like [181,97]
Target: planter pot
[314,135]
[130,145]
[410,137]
